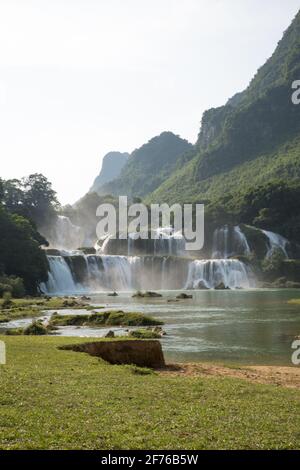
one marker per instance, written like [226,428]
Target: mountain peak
[112,164]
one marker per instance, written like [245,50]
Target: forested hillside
[249,146]
[149,166]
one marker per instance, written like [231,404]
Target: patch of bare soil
[283,376]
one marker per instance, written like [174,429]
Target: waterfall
[163,241]
[241,240]
[75,272]
[168,242]
[210,273]
[229,241]
[276,242]
[119,271]
[60,277]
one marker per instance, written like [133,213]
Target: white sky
[79,78]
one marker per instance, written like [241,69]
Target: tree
[13,196]
[32,197]
[20,253]
[40,199]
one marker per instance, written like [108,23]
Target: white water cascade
[79,273]
[211,273]
[60,278]
[229,241]
[276,242]
[162,242]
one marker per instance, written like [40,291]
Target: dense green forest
[24,205]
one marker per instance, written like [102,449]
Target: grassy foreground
[53,399]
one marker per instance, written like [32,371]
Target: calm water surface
[252,327]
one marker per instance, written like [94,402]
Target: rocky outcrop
[112,165]
[146,353]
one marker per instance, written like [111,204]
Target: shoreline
[281,376]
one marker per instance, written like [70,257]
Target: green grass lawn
[55,399]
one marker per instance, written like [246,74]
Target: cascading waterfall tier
[229,241]
[211,273]
[160,242]
[78,273]
[276,242]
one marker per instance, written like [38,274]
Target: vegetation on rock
[108,318]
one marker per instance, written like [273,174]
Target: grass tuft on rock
[144,333]
[109,318]
[36,328]
[35,306]
[147,294]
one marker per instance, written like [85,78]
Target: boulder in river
[184,296]
[147,294]
[221,286]
[110,334]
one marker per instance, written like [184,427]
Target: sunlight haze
[82,78]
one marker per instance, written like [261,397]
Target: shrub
[12,284]
[7,302]
[272,266]
[145,334]
[36,328]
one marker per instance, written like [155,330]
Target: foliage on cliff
[148,166]
[249,147]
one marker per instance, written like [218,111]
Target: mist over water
[153,264]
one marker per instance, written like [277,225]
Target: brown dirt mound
[139,352]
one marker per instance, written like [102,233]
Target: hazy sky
[79,78]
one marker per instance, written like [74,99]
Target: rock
[145,333]
[221,286]
[70,303]
[184,296]
[292,285]
[52,252]
[146,294]
[201,285]
[110,334]
[280,282]
[157,329]
[112,294]
[265,285]
[143,353]
[85,298]
[87,250]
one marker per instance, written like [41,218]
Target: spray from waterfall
[78,273]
